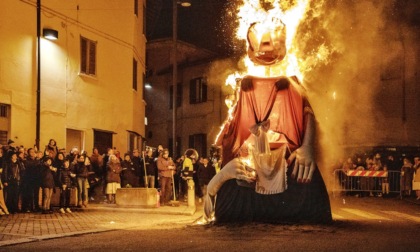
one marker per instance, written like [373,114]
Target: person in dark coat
[138,167]
[33,181]
[205,173]
[149,177]
[113,177]
[47,183]
[129,177]
[13,180]
[65,176]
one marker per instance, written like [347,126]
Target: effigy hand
[305,165]
[230,171]
[246,173]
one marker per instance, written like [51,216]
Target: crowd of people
[405,176]
[30,178]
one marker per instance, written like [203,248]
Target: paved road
[361,224]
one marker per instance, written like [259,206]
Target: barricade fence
[366,181]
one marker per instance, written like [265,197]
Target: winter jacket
[129,174]
[163,165]
[113,173]
[47,176]
[64,177]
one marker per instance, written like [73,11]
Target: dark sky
[206,23]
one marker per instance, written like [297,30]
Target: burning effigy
[269,169]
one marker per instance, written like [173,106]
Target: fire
[266,13]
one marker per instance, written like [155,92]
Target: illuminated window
[198,90]
[87,56]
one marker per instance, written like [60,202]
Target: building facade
[201,94]
[84,89]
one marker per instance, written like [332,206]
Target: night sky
[207,23]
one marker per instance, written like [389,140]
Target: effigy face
[267,42]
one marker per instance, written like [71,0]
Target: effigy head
[267,42]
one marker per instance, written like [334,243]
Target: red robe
[279,101]
[276,99]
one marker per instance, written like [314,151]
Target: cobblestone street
[26,227]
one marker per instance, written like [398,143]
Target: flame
[290,13]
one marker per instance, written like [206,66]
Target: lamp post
[38,75]
[175,3]
[174,72]
[50,34]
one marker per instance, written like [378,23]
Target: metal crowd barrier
[364,181]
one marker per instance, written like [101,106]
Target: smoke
[348,49]
[361,43]
[340,86]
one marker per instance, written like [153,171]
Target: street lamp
[175,3]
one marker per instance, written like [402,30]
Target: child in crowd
[65,178]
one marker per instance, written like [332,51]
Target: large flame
[291,13]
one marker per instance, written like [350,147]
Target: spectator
[33,182]
[407,172]
[47,183]
[51,149]
[156,154]
[3,207]
[113,178]
[165,166]
[395,171]
[385,182]
[109,152]
[138,171]
[39,155]
[96,178]
[416,177]
[178,181]
[82,174]
[149,177]
[58,162]
[13,179]
[205,174]
[65,182]
[129,177]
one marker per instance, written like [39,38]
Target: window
[135,74]
[134,141]
[198,90]
[199,143]
[87,56]
[178,97]
[3,110]
[136,7]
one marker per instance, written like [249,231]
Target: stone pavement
[28,227]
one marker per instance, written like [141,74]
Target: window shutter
[92,58]
[204,93]
[83,54]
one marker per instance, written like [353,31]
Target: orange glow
[291,14]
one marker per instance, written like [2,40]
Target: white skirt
[111,188]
